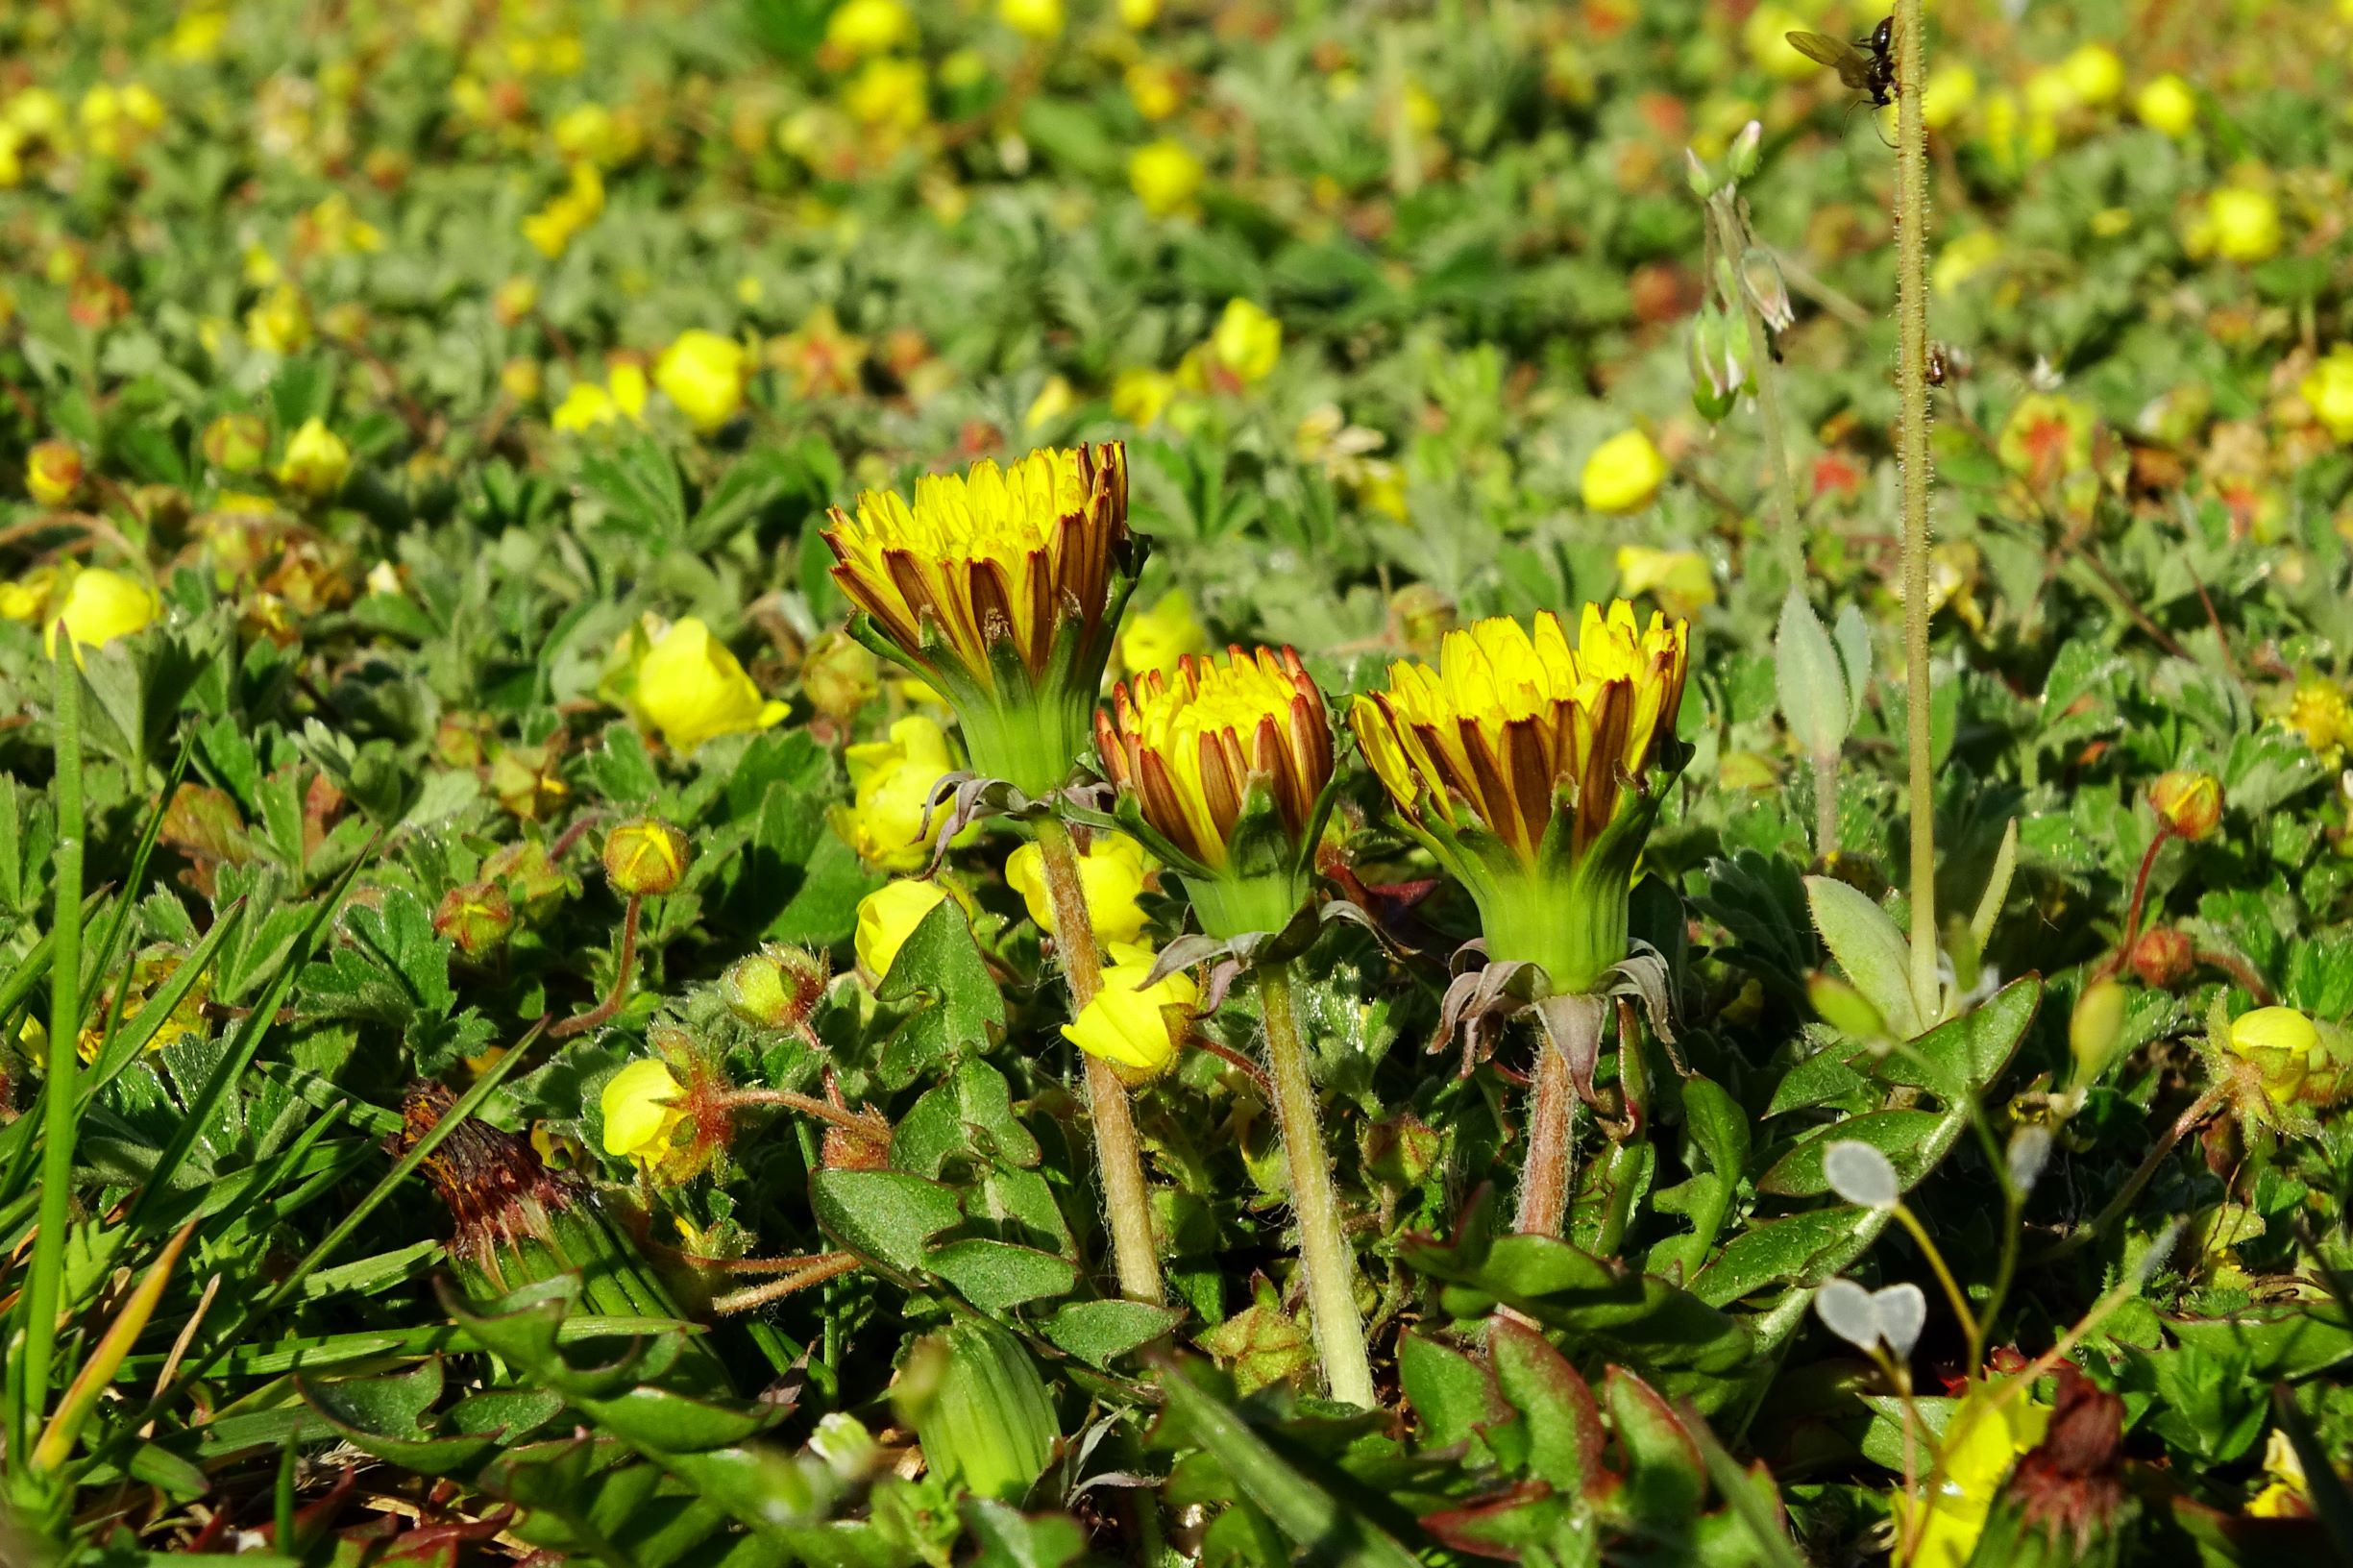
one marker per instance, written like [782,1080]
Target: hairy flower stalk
[1531,769]
[1912,453]
[1224,769]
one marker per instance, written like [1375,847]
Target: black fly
[1873,73]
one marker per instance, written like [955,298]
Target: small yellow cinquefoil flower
[1039,19]
[887,917]
[280,323]
[1247,342]
[1165,177]
[1623,474]
[703,374]
[888,94]
[859,27]
[1111,874]
[2243,223]
[1156,639]
[1156,90]
[1138,1029]
[1680,580]
[53,472]
[317,461]
[1140,396]
[1982,1440]
[1526,765]
[2095,75]
[2328,389]
[641,1111]
[2287,1492]
[99,606]
[2279,1043]
[691,688]
[2318,711]
[1224,769]
[2167,104]
[890,781]
[1001,590]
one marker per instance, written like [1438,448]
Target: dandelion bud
[478,916]
[2095,1028]
[645,857]
[53,473]
[972,1394]
[2163,957]
[2190,803]
[776,988]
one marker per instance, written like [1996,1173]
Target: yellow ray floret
[996,556]
[1191,744]
[1510,713]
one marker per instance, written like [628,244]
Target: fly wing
[1837,54]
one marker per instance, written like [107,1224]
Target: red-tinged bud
[2163,958]
[53,472]
[236,443]
[478,916]
[776,988]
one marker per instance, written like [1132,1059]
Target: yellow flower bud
[1140,14]
[514,299]
[478,916]
[280,323]
[2190,803]
[2167,104]
[1156,90]
[584,408]
[2328,388]
[840,676]
[101,605]
[2246,223]
[2094,1029]
[890,781]
[236,443]
[1136,1028]
[887,917]
[317,462]
[645,857]
[2095,75]
[1112,873]
[52,472]
[887,93]
[1165,177]
[2279,1041]
[776,988]
[640,1111]
[703,374]
[1623,474]
[520,378]
[691,688]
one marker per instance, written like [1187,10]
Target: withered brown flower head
[496,1189]
[2069,1486]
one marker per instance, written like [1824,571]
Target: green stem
[1324,1255]
[1912,450]
[62,1106]
[1788,546]
[1117,1153]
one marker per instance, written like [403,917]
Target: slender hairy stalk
[604,1012]
[1551,1136]
[1324,1256]
[1912,453]
[62,1106]
[1116,1148]
[1788,547]
[1826,806]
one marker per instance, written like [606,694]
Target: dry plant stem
[2183,1126]
[61,1103]
[809,1105]
[821,1269]
[1324,1256]
[1787,547]
[1552,1135]
[1117,1153]
[1912,449]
